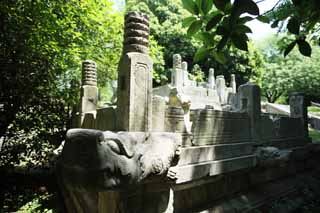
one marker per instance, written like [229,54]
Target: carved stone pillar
[233,83]
[221,88]
[211,79]
[186,81]
[298,109]
[89,89]
[134,102]
[250,101]
[177,73]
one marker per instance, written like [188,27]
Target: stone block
[198,154]
[158,113]
[89,98]
[211,168]
[106,119]
[134,106]
[218,127]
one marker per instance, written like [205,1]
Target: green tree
[281,76]
[42,44]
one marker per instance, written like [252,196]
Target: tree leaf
[188,21]
[201,54]
[222,42]
[246,6]
[275,24]
[221,30]
[243,29]
[206,37]
[289,48]
[194,27]
[206,6]
[293,25]
[240,41]
[264,19]
[221,4]
[214,21]
[304,48]
[220,57]
[191,6]
[244,19]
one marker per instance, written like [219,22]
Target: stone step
[198,154]
[192,172]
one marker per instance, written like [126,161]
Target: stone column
[250,102]
[185,73]
[211,79]
[233,83]
[298,109]
[134,102]
[221,88]
[177,73]
[89,89]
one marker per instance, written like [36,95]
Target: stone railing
[152,153]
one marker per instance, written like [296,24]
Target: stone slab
[106,119]
[220,127]
[211,168]
[198,154]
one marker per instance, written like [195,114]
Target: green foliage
[42,44]
[299,18]
[294,73]
[168,27]
[223,23]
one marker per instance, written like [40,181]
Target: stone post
[89,89]
[298,109]
[221,88]
[250,102]
[233,83]
[211,79]
[134,102]
[177,73]
[185,73]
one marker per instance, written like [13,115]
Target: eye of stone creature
[114,146]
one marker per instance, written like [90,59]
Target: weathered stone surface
[136,36]
[158,113]
[89,73]
[218,127]
[221,88]
[134,106]
[98,160]
[250,102]
[298,109]
[211,79]
[191,172]
[233,83]
[198,154]
[106,119]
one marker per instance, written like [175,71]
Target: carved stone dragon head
[107,160]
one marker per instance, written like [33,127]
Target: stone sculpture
[134,98]
[99,160]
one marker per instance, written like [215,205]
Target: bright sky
[259,29]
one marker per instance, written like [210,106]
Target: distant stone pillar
[221,88]
[211,79]
[134,102]
[298,109]
[185,73]
[250,102]
[233,83]
[177,73]
[89,89]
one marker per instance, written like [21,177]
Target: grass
[314,109]
[315,135]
